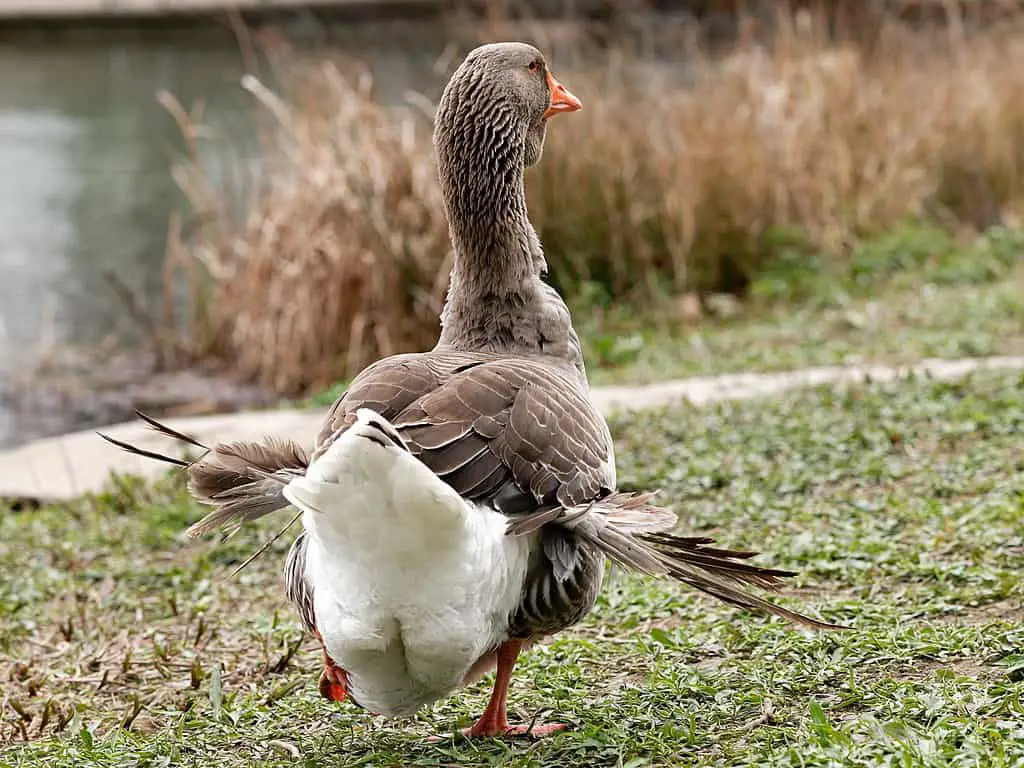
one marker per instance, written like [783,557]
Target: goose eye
[534,66]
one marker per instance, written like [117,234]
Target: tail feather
[248,502]
[630,531]
[168,431]
[242,480]
[143,452]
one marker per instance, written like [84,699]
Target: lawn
[910,294]
[914,293]
[123,644]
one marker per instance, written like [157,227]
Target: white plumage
[412,584]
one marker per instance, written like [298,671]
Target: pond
[85,156]
[86,150]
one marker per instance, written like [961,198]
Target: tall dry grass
[675,180]
[689,188]
[341,255]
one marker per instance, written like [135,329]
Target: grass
[122,644]
[693,177]
[913,293]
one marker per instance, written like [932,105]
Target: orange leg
[494,720]
[333,681]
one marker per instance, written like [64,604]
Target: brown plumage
[499,409]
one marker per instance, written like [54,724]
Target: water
[85,153]
[85,150]
[85,157]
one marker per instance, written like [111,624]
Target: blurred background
[207,207]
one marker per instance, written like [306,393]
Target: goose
[460,504]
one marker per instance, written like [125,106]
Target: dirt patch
[1001,610]
[1009,610]
[138,661]
[926,668]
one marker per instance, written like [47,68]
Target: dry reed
[689,187]
[670,181]
[342,255]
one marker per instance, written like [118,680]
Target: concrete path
[65,467]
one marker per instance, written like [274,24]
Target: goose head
[491,123]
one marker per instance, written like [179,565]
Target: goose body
[414,584]
[461,503]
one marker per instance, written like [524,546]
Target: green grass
[901,505]
[912,294]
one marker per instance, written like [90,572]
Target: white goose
[460,503]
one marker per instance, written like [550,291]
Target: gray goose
[459,504]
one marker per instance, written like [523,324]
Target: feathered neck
[480,139]
[497,298]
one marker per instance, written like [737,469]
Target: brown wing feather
[298,589]
[512,422]
[388,386]
[515,432]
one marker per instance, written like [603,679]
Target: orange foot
[508,731]
[494,721]
[333,680]
[332,686]
[536,731]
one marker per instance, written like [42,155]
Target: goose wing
[515,432]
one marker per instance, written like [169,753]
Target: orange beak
[561,99]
